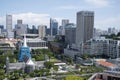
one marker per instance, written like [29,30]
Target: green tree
[55,68]
[32,74]
[48,65]
[118,34]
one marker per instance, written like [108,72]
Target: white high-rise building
[9,22]
[20,28]
[85,24]
[64,23]
[41,31]
[10,34]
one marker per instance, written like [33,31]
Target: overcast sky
[36,12]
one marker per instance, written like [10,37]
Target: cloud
[32,18]
[98,3]
[109,22]
[28,18]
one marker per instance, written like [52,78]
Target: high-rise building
[1,28]
[42,31]
[20,28]
[34,30]
[70,33]
[64,22]
[62,28]
[53,27]
[9,22]
[10,34]
[85,24]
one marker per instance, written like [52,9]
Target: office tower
[64,23]
[10,34]
[9,22]
[42,31]
[60,30]
[34,30]
[85,24]
[70,34]
[47,31]
[53,27]
[1,29]
[20,28]
[112,31]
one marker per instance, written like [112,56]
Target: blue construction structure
[24,53]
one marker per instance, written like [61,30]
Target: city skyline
[39,12]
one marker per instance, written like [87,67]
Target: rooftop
[106,64]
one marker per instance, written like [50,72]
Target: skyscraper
[10,34]
[20,28]
[85,24]
[1,28]
[70,33]
[53,27]
[42,31]
[34,30]
[9,22]
[64,23]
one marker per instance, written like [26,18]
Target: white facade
[9,22]
[64,23]
[99,46]
[10,34]
[41,31]
[20,28]
[36,43]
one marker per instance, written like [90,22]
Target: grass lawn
[73,78]
[53,59]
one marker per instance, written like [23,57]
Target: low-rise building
[8,44]
[35,43]
[106,64]
[71,52]
[100,46]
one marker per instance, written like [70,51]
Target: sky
[37,12]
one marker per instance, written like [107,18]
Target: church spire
[25,43]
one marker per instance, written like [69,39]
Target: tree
[77,66]
[55,68]
[118,34]
[32,74]
[48,65]
[1,52]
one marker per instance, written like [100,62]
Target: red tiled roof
[106,64]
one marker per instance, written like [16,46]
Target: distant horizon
[32,12]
